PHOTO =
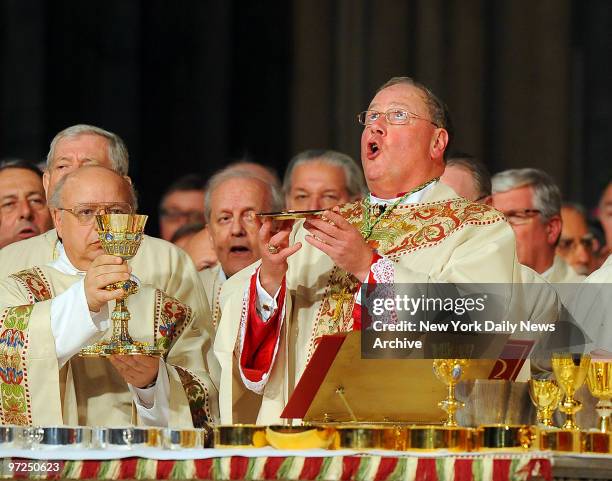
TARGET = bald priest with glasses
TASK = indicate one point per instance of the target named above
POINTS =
(409, 229)
(48, 313)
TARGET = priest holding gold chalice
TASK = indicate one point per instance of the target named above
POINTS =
(409, 229)
(143, 362)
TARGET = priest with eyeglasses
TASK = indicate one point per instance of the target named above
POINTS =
(409, 229)
(48, 313)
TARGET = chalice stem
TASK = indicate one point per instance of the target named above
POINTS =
(604, 409)
(121, 317)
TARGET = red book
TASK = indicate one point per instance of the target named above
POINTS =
(511, 359)
(316, 370)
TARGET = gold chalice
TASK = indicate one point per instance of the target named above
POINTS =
(121, 235)
(570, 377)
(449, 371)
(545, 395)
(600, 385)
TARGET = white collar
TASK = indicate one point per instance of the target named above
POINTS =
(221, 276)
(413, 198)
(63, 264)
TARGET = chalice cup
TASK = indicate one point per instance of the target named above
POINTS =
(121, 235)
(600, 386)
(570, 376)
(449, 371)
(545, 395)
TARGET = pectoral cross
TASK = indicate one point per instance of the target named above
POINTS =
(341, 298)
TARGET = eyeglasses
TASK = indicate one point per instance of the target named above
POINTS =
(570, 245)
(393, 116)
(186, 216)
(521, 216)
(85, 213)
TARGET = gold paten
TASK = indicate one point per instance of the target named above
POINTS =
(292, 214)
(240, 436)
(504, 436)
(559, 440)
(596, 442)
(439, 437)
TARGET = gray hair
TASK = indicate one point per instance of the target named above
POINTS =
(438, 110)
(117, 151)
(546, 194)
(275, 196)
(355, 183)
(55, 200)
(478, 170)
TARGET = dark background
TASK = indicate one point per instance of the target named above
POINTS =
(192, 84)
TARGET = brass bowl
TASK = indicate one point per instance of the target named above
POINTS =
(240, 436)
(505, 436)
(185, 438)
(367, 437)
(559, 440)
(596, 442)
(439, 437)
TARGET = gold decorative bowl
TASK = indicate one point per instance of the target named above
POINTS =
(439, 437)
(559, 440)
(240, 436)
(504, 436)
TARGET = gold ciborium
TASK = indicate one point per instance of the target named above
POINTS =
(600, 385)
(570, 377)
(449, 371)
(545, 395)
(120, 235)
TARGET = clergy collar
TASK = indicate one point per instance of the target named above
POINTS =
(63, 264)
(221, 276)
(413, 198)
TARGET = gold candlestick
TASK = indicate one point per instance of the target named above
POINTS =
(570, 377)
(121, 235)
(449, 371)
(600, 386)
(545, 395)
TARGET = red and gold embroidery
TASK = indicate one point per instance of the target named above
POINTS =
(197, 395)
(14, 390)
(171, 316)
(408, 228)
(35, 283)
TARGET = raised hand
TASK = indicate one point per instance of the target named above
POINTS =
(341, 241)
(275, 249)
(104, 270)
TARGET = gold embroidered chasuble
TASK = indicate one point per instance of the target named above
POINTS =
(443, 238)
(89, 391)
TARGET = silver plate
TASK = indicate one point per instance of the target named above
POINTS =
(12, 436)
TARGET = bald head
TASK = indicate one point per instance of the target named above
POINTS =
(90, 184)
(77, 198)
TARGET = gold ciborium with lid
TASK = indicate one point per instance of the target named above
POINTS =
(121, 235)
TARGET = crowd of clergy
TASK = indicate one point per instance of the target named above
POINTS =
(238, 302)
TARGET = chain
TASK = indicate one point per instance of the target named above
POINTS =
(368, 223)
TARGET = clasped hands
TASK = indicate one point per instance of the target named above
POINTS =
(137, 370)
(331, 233)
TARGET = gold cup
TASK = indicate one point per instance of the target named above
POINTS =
(545, 395)
(570, 376)
(600, 386)
(121, 235)
(449, 371)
